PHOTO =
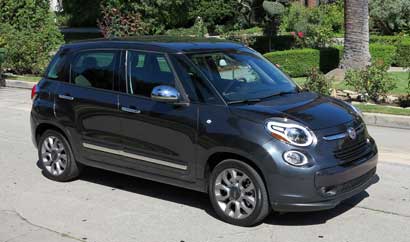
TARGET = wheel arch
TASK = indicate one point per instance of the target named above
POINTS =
(43, 127)
(218, 157)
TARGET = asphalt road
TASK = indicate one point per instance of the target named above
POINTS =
(104, 206)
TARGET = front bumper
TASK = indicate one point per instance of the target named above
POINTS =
(345, 181)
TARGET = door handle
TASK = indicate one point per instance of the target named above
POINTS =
(66, 97)
(130, 110)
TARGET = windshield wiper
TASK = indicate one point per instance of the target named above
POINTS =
(279, 94)
(247, 101)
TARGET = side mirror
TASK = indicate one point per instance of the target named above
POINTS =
(165, 94)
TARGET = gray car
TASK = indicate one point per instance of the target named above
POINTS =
(206, 115)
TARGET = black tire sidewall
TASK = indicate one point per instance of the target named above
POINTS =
(71, 170)
(261, 209)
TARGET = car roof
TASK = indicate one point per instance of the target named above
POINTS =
(166, 44)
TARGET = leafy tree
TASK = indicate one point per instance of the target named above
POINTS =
(315, 27)
(120, 22)
(390, 16)
(251, 12)
(82, 13)
(157, 15)
(29, 34)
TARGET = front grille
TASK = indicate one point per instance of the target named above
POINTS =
(353, 151)
(352, 184)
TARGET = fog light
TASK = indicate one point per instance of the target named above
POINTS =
(295, 158)
(328, 191)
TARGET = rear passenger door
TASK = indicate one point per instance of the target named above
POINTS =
(88, 105)
(158, 137)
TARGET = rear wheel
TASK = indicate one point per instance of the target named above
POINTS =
(238, 194)
(56, 157)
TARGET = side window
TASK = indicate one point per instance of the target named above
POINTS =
(94, 69)
(146, 71)
(57, 70)
(195, 84)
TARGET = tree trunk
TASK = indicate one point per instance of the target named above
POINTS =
(356, 49)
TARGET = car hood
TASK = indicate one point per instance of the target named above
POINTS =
(310, 109)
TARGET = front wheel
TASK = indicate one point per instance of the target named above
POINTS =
(238, 194)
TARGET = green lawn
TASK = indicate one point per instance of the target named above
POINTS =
(383, 109)
(401, 82)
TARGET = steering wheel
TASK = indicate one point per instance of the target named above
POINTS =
(234, 83)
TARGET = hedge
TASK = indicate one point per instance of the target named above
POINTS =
(296, 62)
(329, 59)
(384, 52)
(261, 43)
(387, 39)
(387, 53)
(403, 54)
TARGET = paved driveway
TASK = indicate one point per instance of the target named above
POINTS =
(104, 206)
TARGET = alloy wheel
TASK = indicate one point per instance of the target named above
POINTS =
(54, 156)
(235, 193)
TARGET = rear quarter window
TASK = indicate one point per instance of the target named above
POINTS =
(57, 68)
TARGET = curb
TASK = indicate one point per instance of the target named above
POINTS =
(373, 119)
(19, 84)
(387, 120)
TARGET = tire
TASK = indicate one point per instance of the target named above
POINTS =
(56, 158)
(253, 202)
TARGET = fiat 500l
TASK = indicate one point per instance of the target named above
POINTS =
(206, 115)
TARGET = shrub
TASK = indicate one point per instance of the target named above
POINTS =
(318, 25)
(317, 82)
(403, 54)
(214, 12)
(296, 62)
(373, 82)
(29, 35)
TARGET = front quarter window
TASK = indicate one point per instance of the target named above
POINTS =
(242, 75)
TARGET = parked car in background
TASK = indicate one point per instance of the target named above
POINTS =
(206, 115)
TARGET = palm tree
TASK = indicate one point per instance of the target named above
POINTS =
(356, 50)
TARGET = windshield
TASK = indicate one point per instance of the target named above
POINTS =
(243, 76)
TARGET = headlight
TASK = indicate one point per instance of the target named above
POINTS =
(295, 158)
(355, 109)
(291, 133)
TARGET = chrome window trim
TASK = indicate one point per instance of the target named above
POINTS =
(134, 156)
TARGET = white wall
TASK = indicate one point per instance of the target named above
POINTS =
(56, 5)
